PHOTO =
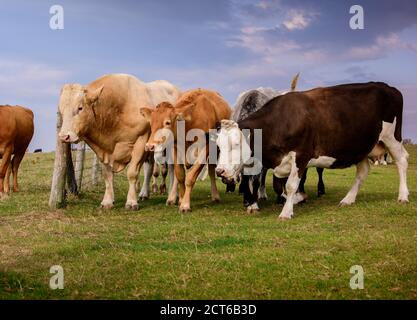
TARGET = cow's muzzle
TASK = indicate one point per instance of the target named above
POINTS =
(150, 147)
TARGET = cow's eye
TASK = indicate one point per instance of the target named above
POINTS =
(167, 123)
(80, 108)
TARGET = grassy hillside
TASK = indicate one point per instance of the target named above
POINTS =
(217, 251)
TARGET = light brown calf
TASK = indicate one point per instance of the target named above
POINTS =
(199, 109)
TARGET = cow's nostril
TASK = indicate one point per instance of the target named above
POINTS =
(65, 138)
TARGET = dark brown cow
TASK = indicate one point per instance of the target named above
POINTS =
(16, 132)
(333, 127)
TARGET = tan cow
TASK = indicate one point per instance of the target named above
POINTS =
(16, 132)
(199, 109)
(105, 114)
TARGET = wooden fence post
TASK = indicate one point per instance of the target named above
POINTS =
(79, 164)
(57, 196)
(95, 172)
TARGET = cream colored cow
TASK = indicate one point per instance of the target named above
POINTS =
(106, 115)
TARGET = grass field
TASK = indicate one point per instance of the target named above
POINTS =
(217, 251)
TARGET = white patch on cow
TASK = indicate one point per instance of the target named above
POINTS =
(235, 152)
(297, 198)
(283, 170)
(399, 154)
(291, 186)
(321, 162)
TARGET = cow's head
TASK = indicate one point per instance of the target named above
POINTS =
(163, 120)
(77, 108)
(235, 151)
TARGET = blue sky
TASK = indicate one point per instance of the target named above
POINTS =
(226, 45)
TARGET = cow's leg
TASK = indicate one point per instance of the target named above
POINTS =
(291, 188)
(190, 179)
(17, 159)
(173, 185)
(254, 183)
(400, 156)
(164, 173)
(108, 199)
(262, 187)
(138, 158)
(180, 175)
(214, 192)
(147, 174)
(7, 179)
(155, 175)
(4, 167)
(244, 188)
(362, 169)
(320, 185)
(241, 188)
(278, 188)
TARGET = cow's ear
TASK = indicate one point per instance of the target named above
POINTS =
(185, 115)
(93, 95)
(146, 113)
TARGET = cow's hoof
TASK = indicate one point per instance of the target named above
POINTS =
(265, 198)
(215, 200)
(345, 203)
(132, 206)
(162, 189)
(253, 208)
(143, 198)
(171, 202)
(3, 196)
(185, 209)
(250, 210)
(284, 218)
(403, 201)
(106, 206)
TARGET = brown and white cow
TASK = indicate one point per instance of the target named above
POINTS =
(16, 132)
(105, 114)
(333, 127)
(199, 110)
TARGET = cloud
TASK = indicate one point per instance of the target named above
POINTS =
(381, 46)
(297, 20)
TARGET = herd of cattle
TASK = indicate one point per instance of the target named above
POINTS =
(120, 118)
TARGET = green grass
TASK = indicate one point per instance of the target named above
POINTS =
(216, 252)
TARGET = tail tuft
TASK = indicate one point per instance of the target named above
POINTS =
(294, 82)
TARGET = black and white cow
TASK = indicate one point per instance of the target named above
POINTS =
(332, 127)
(247, 103)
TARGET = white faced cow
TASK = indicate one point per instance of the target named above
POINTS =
(333, 127)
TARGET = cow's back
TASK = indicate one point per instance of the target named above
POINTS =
(343, 122)
(162, 91)
(209, 107)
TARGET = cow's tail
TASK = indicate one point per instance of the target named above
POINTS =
(294, 82)
(399, 116)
